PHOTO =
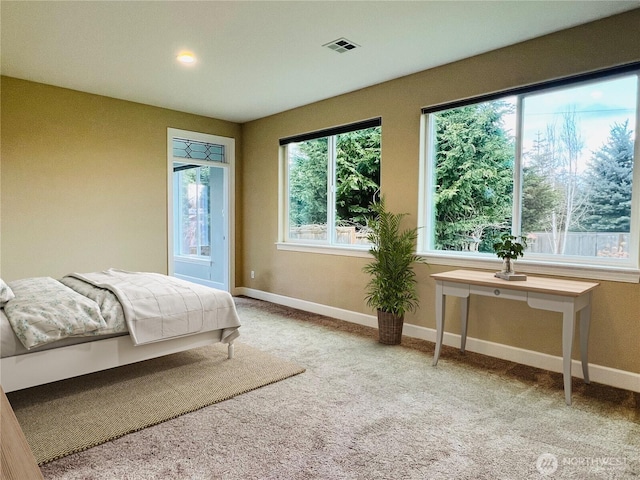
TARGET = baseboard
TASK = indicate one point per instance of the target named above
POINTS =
(339, 313)
(598, 373)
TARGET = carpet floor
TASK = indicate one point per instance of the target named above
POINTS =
(72, 415)
(363, 410)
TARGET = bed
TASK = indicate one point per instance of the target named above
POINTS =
(82, 323)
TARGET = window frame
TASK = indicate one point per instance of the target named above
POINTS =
(178, 207)
(580, 267)
(328, 246)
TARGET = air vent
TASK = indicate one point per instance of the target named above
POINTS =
(341, 45)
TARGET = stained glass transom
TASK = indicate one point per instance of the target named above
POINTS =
(184, 148)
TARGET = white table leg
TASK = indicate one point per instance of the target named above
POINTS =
(585, 319)
(464, 321)
(568, 325)
(440, 307)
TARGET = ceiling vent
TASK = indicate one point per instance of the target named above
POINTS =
(341, 45)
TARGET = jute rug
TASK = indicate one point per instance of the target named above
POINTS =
(75, 414)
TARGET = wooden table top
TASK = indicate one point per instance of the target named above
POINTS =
(554, 286)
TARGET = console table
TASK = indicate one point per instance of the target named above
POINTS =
(564, 296)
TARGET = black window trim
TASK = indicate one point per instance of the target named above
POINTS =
(328, 132)
(594, 75)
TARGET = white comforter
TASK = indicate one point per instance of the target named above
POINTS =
(44, 311)
(157, 307)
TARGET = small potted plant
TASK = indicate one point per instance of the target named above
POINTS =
(508, 248)
(392, 288)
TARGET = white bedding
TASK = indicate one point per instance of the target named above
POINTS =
(110, 307)
(11, 346)
(157, 307)
(150, 306)
(94, 351)
(44, 311)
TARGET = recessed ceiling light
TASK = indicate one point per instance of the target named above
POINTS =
(186, 57)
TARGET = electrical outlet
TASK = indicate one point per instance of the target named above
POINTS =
(253, 274)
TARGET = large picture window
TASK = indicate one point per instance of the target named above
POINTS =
(331, 178)
(553, 163)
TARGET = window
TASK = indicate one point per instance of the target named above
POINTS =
(192, 210)
(192, 199)
(553, 163)
(331, 177)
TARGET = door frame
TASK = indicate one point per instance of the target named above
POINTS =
(229, 166)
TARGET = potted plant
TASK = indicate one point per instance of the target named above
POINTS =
(508, 248)
(392, 287)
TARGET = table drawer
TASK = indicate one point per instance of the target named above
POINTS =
(498, 292)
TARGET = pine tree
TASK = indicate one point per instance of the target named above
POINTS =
(357, 178)
(358, 174)
(609, 175)
(474, 176)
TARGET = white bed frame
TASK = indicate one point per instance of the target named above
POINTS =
(37, 368)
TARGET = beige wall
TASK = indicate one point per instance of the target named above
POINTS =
(84, 180)
(338, 281)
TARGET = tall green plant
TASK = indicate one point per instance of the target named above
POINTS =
(392, 287)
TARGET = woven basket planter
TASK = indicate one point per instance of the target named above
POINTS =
(389, 328)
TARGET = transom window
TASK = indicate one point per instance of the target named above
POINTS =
(185, 148)
(553, 163)
(331, 177)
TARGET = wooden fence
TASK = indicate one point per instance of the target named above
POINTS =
(345, 235)
(587, 244)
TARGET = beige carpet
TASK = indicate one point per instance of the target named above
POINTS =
(366, 411)
(72, 415)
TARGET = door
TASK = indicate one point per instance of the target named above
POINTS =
(199, 206)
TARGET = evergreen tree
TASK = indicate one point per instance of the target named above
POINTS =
(610, 174)
(357, 178)
(308, 183)
(539, 200)
(474, 176)
(358, 175)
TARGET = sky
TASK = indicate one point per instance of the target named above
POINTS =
(598, 105)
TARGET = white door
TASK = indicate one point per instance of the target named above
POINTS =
(200, 246)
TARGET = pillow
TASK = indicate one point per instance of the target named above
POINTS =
(44, 310)
(6, 293)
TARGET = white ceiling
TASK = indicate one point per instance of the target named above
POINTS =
(256, 58)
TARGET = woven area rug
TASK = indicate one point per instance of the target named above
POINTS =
(72, 415)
